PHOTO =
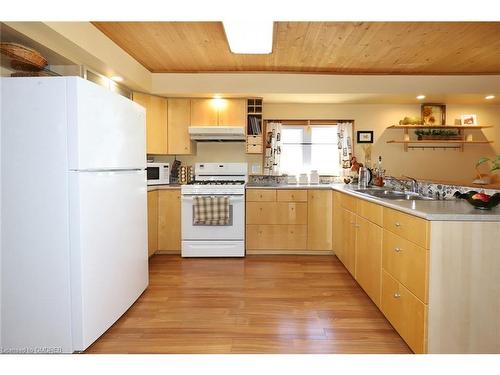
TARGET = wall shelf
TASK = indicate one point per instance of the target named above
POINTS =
(478, 127)
(438, 143)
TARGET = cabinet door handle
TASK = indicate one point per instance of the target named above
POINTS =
(397, 224)
(397, 295)
(397, 249)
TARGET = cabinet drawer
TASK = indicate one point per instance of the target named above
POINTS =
(254, 148)
(276, 237)
(406, 262)
(254, 139)
(292, 195)
(261, 195)
(370, 211)
(276, 213)
(348, 202)
(407, 226)
(406, 313)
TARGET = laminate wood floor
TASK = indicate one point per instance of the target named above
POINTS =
(257, 304)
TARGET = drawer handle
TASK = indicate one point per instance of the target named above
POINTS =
(397, 295)
(397, 224)
(397, 249)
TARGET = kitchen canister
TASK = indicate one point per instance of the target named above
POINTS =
(314, 177)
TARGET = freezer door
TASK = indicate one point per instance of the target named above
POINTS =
(105, 130)
(109, 249)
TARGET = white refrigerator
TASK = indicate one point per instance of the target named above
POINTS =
(74, 212)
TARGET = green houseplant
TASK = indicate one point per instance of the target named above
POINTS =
(494, 165)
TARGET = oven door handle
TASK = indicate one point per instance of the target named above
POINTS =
(232, 197)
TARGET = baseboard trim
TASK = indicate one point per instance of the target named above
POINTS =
(289, 252)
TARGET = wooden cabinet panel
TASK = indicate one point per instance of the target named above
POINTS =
(406, 313)
(337, 225)
(370, 211)
(156, 122)
(369, 257)
(407, 226)
(169, 220)
(348, 202)
(276, 213)
(152, 222)
(233, 112)
(292, 195)
(319, 219)
(254, 149)
(349, 240)
(179, 119)
(276, 237)
(204, 112)
(214, 112)
(407, 263)
(261, 195)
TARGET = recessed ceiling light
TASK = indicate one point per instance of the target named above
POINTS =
(420, 97)
(217, 96)
(116, 78)
(489, 97)
(249, 36)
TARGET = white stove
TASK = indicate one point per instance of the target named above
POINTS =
(215, 180)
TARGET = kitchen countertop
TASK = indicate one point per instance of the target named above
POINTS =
(441, 210)
(163, 187)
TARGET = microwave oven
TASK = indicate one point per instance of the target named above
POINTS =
(158, 173)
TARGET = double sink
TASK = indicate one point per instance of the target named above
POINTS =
(393, 194)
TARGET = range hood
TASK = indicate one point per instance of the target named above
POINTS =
(217, 133)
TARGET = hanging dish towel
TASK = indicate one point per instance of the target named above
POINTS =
(211, 210)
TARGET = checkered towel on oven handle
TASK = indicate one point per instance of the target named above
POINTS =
(210, 210)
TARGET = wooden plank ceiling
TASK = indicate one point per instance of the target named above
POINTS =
(317, 47)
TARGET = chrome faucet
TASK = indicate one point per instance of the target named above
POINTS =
(414, 184)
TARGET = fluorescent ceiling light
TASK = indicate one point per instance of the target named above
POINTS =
(249, 36)
(489, 97)
(420, 97)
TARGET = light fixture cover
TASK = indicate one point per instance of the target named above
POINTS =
(489, 97)
(249, 36)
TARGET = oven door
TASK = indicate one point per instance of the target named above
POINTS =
(235, 230)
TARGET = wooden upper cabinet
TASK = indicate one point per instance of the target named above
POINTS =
(233, 113)
(214, 112)
(203, 112)
(179, 119)
(156, 122)
(319, 222)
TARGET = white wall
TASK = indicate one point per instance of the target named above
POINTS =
(446, 165)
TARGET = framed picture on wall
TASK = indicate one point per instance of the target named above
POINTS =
(364, 136)
(469, 120)
(433, 114)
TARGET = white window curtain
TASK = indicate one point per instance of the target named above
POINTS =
(345, 146)
(273, 148)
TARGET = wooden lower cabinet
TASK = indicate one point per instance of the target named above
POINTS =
(169, 220)
(368, 257)
(276, 237)
(407, 262)
(349, 240)
(277, 213)
(152, 222)
(337, 225)
(290, 220)
(319, 220)
(406, 313)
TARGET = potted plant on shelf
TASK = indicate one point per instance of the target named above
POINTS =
(494, 165)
